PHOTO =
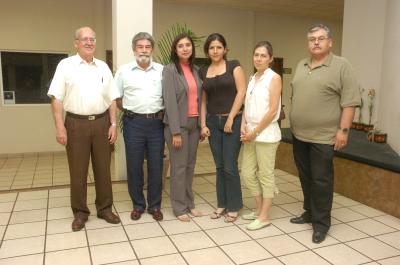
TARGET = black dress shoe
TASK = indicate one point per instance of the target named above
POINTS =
(318, 237)
(302, 219)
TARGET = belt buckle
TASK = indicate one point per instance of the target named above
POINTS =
(91, 117)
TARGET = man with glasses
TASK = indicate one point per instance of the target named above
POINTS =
(139, 84)
(83, 86)
(324, 96)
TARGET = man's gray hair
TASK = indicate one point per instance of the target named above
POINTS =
(319, 26)
(78, 32)
(142, 36)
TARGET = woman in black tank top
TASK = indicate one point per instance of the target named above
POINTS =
(224, 89)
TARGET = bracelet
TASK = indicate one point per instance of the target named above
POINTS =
(113, 124)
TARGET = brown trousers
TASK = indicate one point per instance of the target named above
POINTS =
(87, 139)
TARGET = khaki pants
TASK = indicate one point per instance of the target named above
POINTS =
(89, 139)
(258, 163)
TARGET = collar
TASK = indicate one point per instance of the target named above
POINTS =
(327, 61)
(78, 60)
(263, 75)
(136, 66)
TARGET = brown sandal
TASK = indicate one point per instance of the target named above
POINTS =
(229, 218)
(217, 215)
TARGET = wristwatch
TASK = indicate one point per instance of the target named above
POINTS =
(344, 130)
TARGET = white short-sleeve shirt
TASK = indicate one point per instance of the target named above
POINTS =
(83, 88)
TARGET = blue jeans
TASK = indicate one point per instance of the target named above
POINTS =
(225, 148)
(140, 135)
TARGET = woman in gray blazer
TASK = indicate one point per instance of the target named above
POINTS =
(182, 99)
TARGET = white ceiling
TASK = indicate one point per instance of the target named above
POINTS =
(319, 9)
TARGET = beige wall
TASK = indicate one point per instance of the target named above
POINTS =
(243, 29)
(48, 25)
(371, 38)
(41, 25)
(288, 37)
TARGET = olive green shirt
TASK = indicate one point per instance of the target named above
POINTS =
(319, 96)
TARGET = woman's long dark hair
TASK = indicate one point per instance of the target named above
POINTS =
(174, 55)
(213, 37)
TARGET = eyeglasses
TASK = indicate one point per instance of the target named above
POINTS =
(319, 39)
(87, 40)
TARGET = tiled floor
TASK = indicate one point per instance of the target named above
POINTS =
(35, 229)
(34, 170)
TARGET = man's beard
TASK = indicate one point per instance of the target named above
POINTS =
(143, 58)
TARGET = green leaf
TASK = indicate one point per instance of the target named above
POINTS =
(165, 42)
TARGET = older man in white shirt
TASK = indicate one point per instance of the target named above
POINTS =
(83, 87)
(139, 83)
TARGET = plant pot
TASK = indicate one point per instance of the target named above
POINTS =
(368, 127)
(380, 137)
(358, 126)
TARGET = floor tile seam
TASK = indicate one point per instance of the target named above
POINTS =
(12, 257)
(347, 222)
(152, 257)
(173, 243)
(373, 218)
(218, 246)
(372, 259)
(377, 260)
(87, 244)
(304, 252)
(8, 221)
(45, 229)
(130, 243)
(375, 237)
(212, 240)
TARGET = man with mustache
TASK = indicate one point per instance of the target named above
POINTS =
(324, 96)
(83, 87)
(139, 83)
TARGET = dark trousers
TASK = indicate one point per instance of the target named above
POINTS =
(87, 139)
(225, 148)
(182, 162)
(144, 135)
(315, 165)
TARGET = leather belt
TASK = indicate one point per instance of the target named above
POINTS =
(158, 115)
(87, 117)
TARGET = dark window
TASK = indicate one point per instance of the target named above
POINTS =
(29, 75)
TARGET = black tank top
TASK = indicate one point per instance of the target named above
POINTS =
(221, 89)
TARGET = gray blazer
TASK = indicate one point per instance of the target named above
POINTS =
(175, 93)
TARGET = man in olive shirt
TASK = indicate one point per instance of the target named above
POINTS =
(324, 96)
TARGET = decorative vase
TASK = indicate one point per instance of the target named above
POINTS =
(380, 137)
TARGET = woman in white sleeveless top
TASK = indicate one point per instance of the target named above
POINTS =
(261, 134)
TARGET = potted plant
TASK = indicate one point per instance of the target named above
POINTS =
(371, 97)
(358, 125)
(377, 136)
